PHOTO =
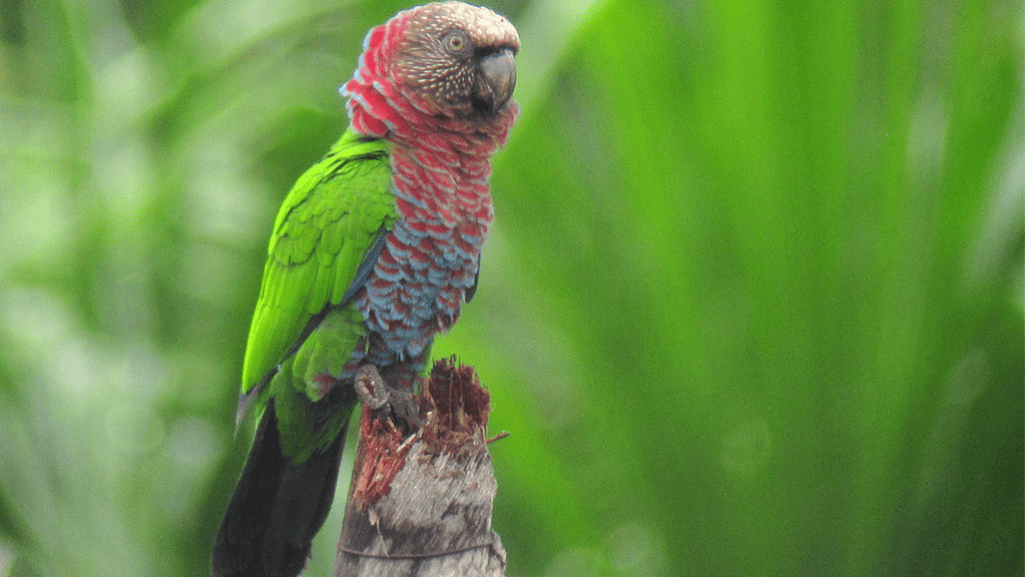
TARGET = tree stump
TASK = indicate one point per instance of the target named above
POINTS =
(420, 505)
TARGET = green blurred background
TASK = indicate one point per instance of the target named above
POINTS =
(753, 304)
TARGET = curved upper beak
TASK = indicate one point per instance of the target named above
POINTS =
(499, 78)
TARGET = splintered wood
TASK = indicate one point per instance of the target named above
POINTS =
(421, 505)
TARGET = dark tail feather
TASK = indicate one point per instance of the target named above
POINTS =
(277, 508)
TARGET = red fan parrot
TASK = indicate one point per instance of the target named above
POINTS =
(373, 253)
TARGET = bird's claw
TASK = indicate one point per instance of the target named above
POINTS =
(375, 393)
(370, 387)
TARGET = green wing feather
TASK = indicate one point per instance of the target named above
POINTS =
(323, 231)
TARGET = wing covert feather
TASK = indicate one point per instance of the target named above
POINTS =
(325, 228)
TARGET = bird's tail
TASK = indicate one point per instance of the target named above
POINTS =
(277, 508)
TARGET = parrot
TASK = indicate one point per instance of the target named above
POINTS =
(373, 252)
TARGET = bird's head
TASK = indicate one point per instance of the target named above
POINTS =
(445, 60)
(458, 57)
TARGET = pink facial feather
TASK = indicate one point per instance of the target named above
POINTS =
(441, 161)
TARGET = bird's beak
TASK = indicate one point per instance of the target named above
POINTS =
(499, 78)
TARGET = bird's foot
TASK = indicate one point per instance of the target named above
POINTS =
(370, 387)
(376, 393)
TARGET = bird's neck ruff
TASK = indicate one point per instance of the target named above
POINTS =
(442, 164)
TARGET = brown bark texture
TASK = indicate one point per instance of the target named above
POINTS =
(420, 504)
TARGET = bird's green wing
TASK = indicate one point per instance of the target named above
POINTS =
(334, 216)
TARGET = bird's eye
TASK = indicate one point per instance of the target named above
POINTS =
(456, 42)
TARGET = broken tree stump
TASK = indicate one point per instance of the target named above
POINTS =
(421, 505)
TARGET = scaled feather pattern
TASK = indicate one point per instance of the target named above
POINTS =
(441, 166)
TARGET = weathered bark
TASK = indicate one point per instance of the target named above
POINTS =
(421, 505)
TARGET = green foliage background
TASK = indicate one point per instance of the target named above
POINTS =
(752, 306)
